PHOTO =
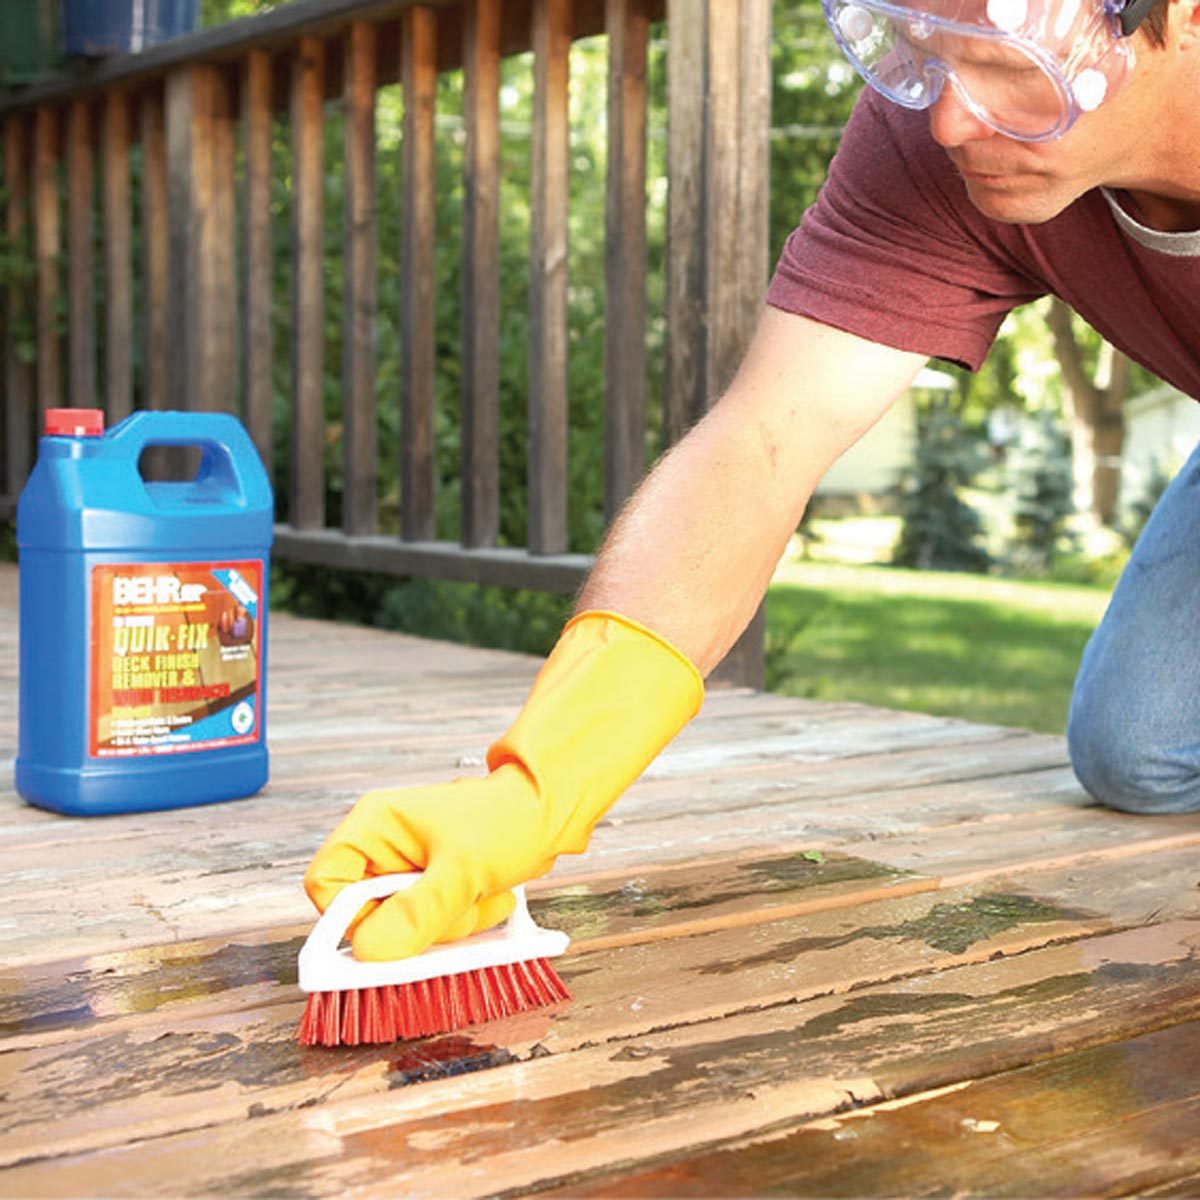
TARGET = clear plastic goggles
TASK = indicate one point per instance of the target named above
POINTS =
(1026, 68)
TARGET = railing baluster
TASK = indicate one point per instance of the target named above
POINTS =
(307, 465)
(721, 179)
(47, 248)
(201, 297)
(155, 253)
(625, 254)
(481, 276)
(220, 346)
(18, 376)
(204, 318)
(81, 297)
(548, 279)
(118, 234)
(358, 300)
(754, 163)
(418, 467)
(686, 382)
(256, 261)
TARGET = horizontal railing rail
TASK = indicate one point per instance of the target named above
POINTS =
(176, 255)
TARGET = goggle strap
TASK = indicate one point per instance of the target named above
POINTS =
(1133, 13)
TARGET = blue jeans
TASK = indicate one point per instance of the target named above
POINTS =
(1134, 728)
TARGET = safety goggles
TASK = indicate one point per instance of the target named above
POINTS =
(1026, 68)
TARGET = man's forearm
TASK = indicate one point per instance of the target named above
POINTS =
(694, 549)
(692, 553)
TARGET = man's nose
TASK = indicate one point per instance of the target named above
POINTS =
(952, 123)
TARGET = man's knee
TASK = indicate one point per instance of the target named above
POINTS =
(1126, 763)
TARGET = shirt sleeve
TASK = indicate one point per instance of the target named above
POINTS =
(894, 251)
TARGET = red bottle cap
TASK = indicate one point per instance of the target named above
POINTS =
(74, 422)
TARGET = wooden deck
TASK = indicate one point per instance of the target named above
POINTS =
(820, 950)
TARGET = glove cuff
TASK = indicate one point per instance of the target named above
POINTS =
(611, 695)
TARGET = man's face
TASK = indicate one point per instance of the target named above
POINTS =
(1030, 182)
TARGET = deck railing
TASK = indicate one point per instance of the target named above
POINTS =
(186, 287)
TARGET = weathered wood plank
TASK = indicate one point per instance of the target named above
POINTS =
(118, 257)
(625, 254)
(480, 461)
(393, 1111)
(1112, 1120)
(418, 467)
(549, 190)
(155, 254)
(358, 290)
(659, 912)
(19, 399)
(257, 339)
(306, 465)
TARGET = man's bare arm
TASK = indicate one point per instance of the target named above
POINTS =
(692, 553)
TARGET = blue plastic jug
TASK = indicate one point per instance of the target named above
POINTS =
(97, 27)
(143, 610)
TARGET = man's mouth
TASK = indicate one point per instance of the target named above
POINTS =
(989, 172)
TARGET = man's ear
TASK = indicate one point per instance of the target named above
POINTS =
(1184, 17)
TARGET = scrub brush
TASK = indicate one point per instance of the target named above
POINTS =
(485, 976)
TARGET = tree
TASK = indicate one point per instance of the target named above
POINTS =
(1040, 469)
(940, 529)
(1094, 402)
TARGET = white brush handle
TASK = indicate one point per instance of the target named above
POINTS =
(324, 967)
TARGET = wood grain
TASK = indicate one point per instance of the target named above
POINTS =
(815, 946)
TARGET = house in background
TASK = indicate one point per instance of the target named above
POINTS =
(871, 470)
(1162, 427)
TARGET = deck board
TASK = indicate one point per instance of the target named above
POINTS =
(802, 914)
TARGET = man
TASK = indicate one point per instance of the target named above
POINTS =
(1006, 149)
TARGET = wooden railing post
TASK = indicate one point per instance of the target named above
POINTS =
(81, 298)
(118, 257)
(306, 463)
(257, 342)
(719, 124)
(201, 297)
(359, 416)
(155, 254)
(548, 279)
(625, 254)
(480, 463)
(47, 238)
(418, 480)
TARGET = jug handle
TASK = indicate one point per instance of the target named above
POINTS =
(221, 438)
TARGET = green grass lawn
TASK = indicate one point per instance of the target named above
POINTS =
(992, 650)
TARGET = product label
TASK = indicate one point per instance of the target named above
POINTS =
(176, 657)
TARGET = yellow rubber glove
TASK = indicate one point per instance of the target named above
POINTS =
(611, 695)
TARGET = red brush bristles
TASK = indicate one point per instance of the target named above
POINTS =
(409, 1010)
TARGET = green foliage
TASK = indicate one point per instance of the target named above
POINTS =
(940, 528)
(457, 612)
(1040, 471)
(18, 267)
(814, 89)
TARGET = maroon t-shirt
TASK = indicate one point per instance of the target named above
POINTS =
(894, 251)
